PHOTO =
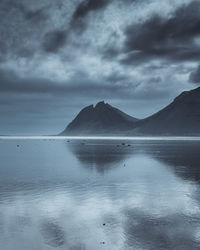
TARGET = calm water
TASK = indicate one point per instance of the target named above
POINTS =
(97, 194)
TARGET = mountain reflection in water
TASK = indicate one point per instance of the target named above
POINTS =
(97, 194)
(101, 156)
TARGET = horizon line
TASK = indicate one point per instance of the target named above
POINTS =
(166, 138)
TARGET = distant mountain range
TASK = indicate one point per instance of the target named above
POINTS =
(180, 118)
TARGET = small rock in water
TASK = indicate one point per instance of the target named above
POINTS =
(103, 242)
(104, 224)
(17, 145)
(123, 143)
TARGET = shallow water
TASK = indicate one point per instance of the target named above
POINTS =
(99, 194)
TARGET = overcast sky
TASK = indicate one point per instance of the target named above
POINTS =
(58, 56)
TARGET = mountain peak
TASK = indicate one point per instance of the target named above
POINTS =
(101, 103)
(102, 106)
(100, 119)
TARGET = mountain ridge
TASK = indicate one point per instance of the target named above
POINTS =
(180, 118)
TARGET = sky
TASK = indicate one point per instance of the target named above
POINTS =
(57, 57)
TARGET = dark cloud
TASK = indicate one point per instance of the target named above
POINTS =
(10, 82)
(117, 77)
(195, 76)
(54, 40)
(35, 15)
(116, 86)
(87, 6)
(171, 38)
(79, 18)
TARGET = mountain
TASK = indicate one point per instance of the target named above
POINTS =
(100, 119)
(181, 117)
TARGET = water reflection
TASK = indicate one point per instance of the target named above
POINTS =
(171, 232)
(183, 157)
(55, 196)
(100, 155)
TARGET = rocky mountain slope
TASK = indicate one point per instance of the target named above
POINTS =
(100, 119)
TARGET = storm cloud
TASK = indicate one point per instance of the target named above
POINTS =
(54, 40)
(58, 56)
(87, 6)
(171, 38)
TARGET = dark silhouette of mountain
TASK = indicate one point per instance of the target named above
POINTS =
(101, 119)
(181, 117)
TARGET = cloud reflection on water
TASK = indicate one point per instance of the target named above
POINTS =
(147, 204)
